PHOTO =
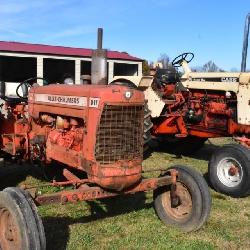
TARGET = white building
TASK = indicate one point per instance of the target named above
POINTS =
(20, 61)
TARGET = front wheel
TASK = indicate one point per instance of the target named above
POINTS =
(194, 201)
(229, 170)
(20, 226)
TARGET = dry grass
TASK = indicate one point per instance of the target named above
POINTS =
(130, 222)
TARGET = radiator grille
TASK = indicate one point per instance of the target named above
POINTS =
(119, 135)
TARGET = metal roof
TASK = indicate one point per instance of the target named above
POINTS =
(59, 50)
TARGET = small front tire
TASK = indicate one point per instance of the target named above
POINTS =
(194, 201)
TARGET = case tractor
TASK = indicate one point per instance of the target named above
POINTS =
(95, 131)
(187, 110)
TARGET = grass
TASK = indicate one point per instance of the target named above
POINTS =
(129, 222)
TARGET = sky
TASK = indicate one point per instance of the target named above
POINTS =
(212, 30)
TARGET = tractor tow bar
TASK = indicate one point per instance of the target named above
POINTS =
(86, 192)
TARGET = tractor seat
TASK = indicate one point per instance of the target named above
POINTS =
(167, 76)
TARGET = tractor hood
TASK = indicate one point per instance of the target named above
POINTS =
(82, 96)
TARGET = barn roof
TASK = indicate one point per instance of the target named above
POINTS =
(8, 46)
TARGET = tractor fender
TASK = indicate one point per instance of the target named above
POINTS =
(138, 81)
(155, 103)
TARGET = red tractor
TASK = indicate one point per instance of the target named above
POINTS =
(98, 130)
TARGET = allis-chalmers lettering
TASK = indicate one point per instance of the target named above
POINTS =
(59, 99)
(64, 99)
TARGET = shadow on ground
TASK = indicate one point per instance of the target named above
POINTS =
(203, 153)
(57, 229)
(12, 173)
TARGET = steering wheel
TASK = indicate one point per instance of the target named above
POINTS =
(25, 86)
(188, 57)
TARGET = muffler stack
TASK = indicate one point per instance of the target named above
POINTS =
(99, 62)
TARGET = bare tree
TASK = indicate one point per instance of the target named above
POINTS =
(211, 67)
(164, 59)
(151, 64)
(197, 69)
(234, 69)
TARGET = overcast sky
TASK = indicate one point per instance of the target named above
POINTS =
(212, 30)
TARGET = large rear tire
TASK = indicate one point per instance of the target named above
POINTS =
(20, 225)
(147, 125)
(186, 145)
(229, 170)
(194, 201)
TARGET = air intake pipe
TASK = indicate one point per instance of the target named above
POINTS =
(99, 62)
(245, 44)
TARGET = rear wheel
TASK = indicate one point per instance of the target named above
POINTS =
(194, 204)
(147, 125)
(229, 170)
(186, 145)
(19, 227)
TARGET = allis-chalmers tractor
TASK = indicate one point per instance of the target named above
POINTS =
(97, 130)
(188, 110)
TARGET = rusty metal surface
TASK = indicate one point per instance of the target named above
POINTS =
(91, 193)
(244, 141)
(119, 136)
(99, 66)
(10, 237)
(181, 210)
(73, 124)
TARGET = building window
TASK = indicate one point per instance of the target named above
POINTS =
(124, 69)
(17, 69)
(58, 70)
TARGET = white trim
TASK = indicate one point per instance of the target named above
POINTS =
(123, 61)
(39, 69)
(77, 71)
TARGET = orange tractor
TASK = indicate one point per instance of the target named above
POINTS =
(188, 110)
(93, 129)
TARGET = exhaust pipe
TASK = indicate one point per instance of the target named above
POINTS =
(99, 62)
(99, 38)
(245, 44)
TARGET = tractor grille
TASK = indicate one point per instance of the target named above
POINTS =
(120, 134)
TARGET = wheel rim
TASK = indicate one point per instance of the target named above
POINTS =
(230, 172)
(10, 237)
(183, 211)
